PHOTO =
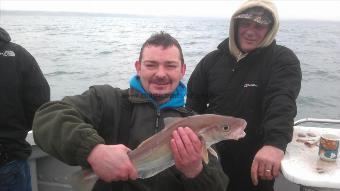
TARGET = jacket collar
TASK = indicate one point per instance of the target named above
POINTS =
(138, 94)
(223, 47)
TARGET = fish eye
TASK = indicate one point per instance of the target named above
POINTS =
(226, 127)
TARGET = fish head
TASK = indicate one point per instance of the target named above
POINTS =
(219, 127)
(232, 127)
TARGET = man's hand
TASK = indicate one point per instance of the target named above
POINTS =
(187, 148)
(266, 164)
(111, 163)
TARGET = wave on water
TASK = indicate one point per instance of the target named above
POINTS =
(105, 52)
(60, 73)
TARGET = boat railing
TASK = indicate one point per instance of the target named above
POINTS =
(316, 120)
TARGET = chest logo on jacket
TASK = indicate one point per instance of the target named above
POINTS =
(7, 53)
(250, 85)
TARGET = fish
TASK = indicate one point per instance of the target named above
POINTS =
(154, 154)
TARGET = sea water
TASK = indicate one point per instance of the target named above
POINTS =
(76, 51)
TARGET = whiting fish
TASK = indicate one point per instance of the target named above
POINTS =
(154, 154)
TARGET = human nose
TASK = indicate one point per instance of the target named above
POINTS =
(250, 32)
(161, 71)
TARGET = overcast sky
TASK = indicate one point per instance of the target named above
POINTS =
(288, 9)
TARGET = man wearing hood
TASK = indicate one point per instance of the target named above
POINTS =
(23, 90)
(98, 128)
(251, 77)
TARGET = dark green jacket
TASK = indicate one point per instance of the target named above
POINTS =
(71, 128)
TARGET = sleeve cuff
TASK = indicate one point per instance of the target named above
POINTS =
(277, 142)
(90, 141)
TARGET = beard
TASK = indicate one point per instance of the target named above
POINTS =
(161, 81)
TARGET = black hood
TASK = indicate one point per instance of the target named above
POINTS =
(4, 36)
(223, 46)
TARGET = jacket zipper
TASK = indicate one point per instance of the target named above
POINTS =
(158, 116)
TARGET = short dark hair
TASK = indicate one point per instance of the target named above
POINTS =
(161, 39)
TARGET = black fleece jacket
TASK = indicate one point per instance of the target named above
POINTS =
(261, 88)
(23, 89)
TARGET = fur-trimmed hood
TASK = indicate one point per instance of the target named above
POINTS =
(266, 4)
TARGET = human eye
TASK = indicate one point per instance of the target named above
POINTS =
(150, 65)
(260, 27)
(244, 23)
(172, 66)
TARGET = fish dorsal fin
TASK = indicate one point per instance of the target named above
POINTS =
(145, 141)
(170, 120)
(167, 122)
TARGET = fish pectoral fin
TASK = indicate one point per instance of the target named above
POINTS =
(204, 153)
(213, 152)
